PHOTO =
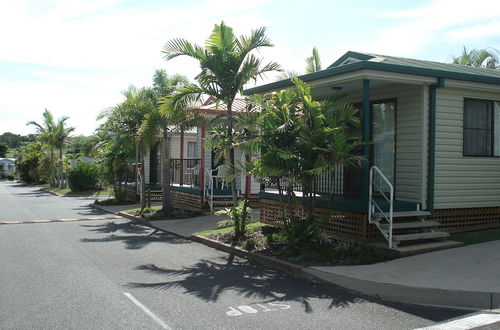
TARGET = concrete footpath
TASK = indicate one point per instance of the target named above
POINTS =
(463, 277)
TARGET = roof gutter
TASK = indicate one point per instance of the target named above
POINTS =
(379, 66)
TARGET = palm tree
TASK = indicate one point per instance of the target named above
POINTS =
(227, 64)
(61, 134)
(301, 139)
(486, 58)
(46, 131)
(124, 120)
(313, 63)
(160, 120)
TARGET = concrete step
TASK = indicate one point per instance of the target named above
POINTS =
(420, 236)
(408, 250)
(408, 225)
(404, 214)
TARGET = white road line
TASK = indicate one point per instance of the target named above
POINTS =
(147, 311)
(466, 323)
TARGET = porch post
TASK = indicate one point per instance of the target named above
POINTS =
(181, 167)
(366, 137)
(202, 161)
(248, 184)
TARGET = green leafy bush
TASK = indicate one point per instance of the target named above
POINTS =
(239, 216)
(83, 177)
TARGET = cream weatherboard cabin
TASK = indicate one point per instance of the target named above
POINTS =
(434, 130)
(197, 177)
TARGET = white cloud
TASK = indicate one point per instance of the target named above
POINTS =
(429, 23)
(106, 51)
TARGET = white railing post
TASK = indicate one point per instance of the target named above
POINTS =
(209, 191)
(373, 205)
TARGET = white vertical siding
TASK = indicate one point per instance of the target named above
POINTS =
(461, 181)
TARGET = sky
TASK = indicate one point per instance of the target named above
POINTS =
(75, 57)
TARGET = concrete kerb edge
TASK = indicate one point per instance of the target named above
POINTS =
(386, 291)
(392, 292)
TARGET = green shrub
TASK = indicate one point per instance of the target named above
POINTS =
(83, 177)
(10, 177)
(253, 243)
(239, 216)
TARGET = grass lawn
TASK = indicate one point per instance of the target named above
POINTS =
(269, 240)
(67, 192)
(477, 236)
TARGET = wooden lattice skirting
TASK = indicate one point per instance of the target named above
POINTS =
(351, 226)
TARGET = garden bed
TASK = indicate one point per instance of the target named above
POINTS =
(155, 213)
(271, 241)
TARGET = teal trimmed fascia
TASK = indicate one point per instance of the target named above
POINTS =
(351, 54)
(366, 65)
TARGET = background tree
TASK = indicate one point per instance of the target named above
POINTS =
(46, 134)
(3, 150)
(486, 58)
(120, 133)
(28, 162)
(61, 134)
(227, 63)
(160, 121)
(313, 63)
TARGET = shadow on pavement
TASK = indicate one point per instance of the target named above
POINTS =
(208, 279)
(35, 193)
(133, 235)
(88, 211)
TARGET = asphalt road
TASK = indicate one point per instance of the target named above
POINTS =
(110, 274)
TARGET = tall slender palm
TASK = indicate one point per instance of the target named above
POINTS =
(61, 134)
(486, 57)
(313, 63)
(227, 64)
(160, 120)
(124, 120)
(46, 131)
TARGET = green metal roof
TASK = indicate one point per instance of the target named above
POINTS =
(355, 61)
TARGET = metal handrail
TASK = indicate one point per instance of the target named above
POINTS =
(209, 190)
(372, 204)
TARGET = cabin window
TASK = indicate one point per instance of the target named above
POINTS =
(191, 152)
(481, 128)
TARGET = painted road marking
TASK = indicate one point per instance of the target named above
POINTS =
(250, 310)
(58, 220)
(466, 323)
(147, 311)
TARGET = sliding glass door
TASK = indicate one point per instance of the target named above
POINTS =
(384, 140)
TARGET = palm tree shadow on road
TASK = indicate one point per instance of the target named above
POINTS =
(135, 236)
(208, 279)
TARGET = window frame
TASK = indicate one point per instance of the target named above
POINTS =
(492, 129)
(194, 150)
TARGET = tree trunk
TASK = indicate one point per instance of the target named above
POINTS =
(143, 184)
(166, 201)
(61, 180)
(52, 169)
(136, 163)
(234, 192)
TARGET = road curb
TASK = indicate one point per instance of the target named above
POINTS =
(475, 300)
(50, 192)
